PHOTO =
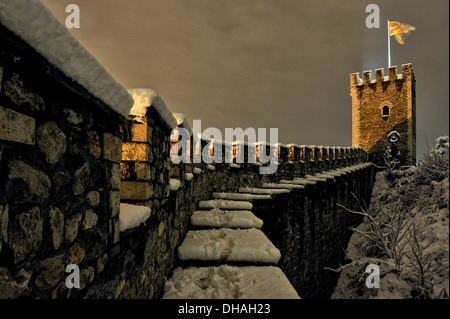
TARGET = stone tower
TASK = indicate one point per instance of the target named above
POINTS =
(380, 107)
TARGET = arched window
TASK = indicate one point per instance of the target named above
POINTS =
(385, 112)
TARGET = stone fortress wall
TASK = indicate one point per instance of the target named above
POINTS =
(68, 159)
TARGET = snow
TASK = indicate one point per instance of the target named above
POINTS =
(226, 218)
(182, 122)
(239, 196)
(211, 167)
(35, 24)
(287, 186)
(145, 98)
(225, 204)
(131, 216)
(197, 170)
(250, 245)
(229, 282)
(174, 184)
(234, 165)
(421, 197)
(266, 191)
(300, 181)
(189, 176)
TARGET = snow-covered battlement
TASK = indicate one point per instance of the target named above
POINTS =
(145, 98)
(36, 25)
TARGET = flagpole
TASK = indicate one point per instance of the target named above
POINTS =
(389, 44)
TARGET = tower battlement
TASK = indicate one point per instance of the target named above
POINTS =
(407, 72)
(381, 106)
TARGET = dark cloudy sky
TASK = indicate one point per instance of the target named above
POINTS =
(268, 63)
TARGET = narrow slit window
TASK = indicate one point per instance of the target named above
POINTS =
(385, 111)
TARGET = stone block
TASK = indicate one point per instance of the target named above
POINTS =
(112, 148)
(142, 171)
(136, 152)
(141, 132)
(56, 226)
(26, 236)
(93, 144)
(16, 127)
(38, 183)
(51, 141)
(114, 203)
(114, 176)
(135, 190)
(15, 90)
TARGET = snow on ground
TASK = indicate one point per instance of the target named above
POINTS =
(266, 191)
(420, 195)
(131, 216)
(234, 165)
(174, 184)
(189, 176)
(197, 170)
(211, 167)
(239, 196)
(226, 218)
(228, 244)
(145, 98)
(35, 24)
(225, 204)
(229, 282)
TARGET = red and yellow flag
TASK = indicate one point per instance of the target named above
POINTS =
(400, 30)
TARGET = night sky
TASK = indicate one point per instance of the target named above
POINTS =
(267, 63)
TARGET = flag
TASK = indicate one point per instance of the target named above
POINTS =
(400, 30)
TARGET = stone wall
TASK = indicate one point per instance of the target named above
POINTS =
(60, 153)
(67, 160)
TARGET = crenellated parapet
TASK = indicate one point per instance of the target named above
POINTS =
(382, 105)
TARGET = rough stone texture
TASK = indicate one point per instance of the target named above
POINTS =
(60, 150)
(13, 286)
(14, 89)
(51, 141)
(93, 198)
(38, 184)
(16, 127)
(75, 255)
(370, 128)
(112, 148)
(114, 203)
(51, 271)
(4, 220)
(136, 190)
(136, 152)
(81, 179)
(26, 237)
(93, 144)
(90, 219)
(56, 226)
(71, 228)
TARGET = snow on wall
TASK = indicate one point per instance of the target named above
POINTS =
(36, 25)
(131, 216)
(144, 98)
(226, 218)
(182, 122)
(228, 244)
(229, 282)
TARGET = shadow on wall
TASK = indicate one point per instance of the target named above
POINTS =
(379, 148)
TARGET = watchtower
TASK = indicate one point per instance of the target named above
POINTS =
(382, 106)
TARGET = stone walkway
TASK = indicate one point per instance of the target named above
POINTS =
(226, 255)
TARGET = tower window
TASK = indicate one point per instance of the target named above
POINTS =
(385, 111)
